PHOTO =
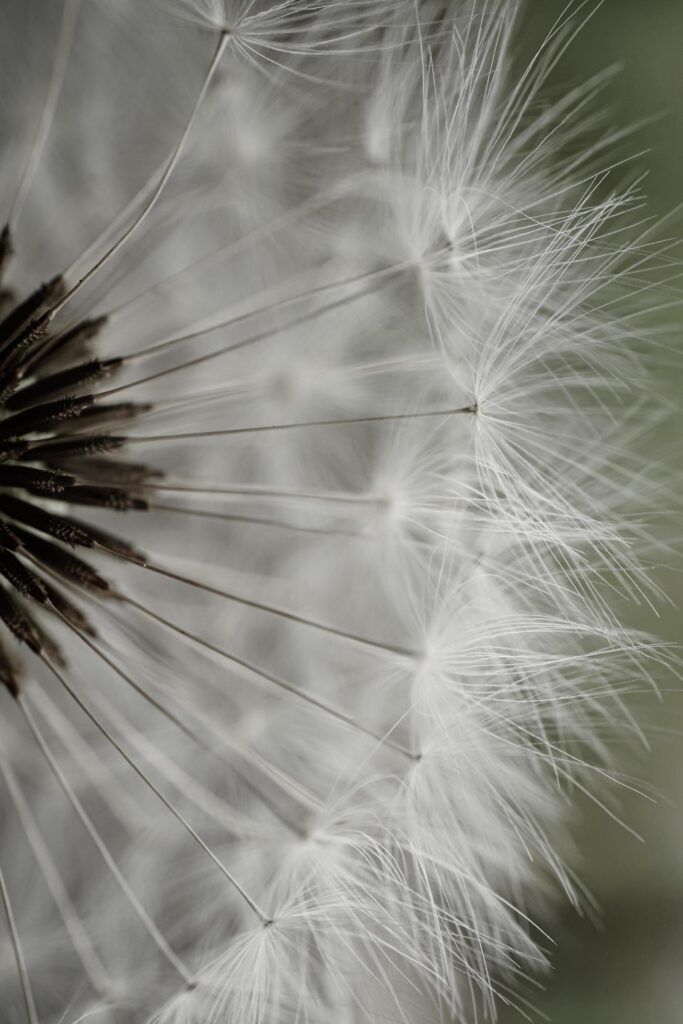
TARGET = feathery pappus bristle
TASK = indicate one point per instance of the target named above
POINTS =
(321, 388)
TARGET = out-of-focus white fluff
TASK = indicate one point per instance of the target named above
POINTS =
(396, 409)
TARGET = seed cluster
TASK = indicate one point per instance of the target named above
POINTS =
(54, 453)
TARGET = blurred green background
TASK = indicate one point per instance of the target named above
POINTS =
(627, 967)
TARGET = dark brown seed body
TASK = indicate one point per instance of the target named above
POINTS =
(53, 448)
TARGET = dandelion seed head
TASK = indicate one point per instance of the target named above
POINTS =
(319, 412)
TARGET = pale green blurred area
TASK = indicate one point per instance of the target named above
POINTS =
(629, 968)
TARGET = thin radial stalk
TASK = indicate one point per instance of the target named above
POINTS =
(101, 779)
(230, 431)
(140, 690)
(59, 69)
(177, 722)
(243, 385)
(214, 745)
(270, 678)
(211, 805)
(113, 227)
(172, 718)
(186, 730)
(234, 346)
(221, 740)
(315, 202)
(290, 786)
(229, 517)
(403, 652)
(140, 912)
(29, 1003)
(255, 492)
(280, 304)
(263, 917)
(157, 191)
(92, 965)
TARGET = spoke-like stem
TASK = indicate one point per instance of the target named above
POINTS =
(176, 721)
(263, 917)
(101, 847)
(212, 805)
(229, 517)
(267, 428)
(159, 188)
(240, 386)
(255, 492)
(111, 790)
(128, 679)
(96, 650)
(113, 227)
(200, 741)
(59, 69)
(269, 677)
(403, 652)
(272, 307)
(234, 346)
(29, 1003)
(92, 965)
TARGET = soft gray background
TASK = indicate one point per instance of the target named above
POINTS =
(629, 967)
